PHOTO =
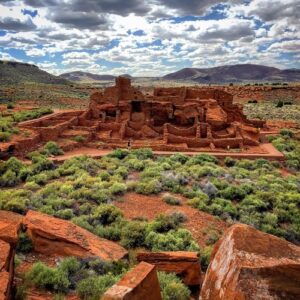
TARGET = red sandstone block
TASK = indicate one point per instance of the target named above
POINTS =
(184, 264)
(141, 283)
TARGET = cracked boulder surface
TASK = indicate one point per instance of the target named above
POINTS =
(249, 264)
(58, 237)
(139, 283)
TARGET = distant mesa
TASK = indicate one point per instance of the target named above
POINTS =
(235, 73)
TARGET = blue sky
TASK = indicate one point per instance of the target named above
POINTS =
(149, 37)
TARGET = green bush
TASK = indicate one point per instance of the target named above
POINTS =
(133, 235)
(164, 223)
(119, 153)
(229, 162)
(30, 114)
(24, 243)
(152, 186)
(112, 232)
(205, 254)
(79, 138)
(93, 288)
(171, 200)
(51, 148)
(143, 153)
(173, 240)
(118, 188)
(172, 288)
(287, 132)
(48, 278)
(106, 214)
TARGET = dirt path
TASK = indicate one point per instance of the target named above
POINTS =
(270, 153)
(149, 207)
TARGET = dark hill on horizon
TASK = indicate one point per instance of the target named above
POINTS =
(12, 72)
(234, 73)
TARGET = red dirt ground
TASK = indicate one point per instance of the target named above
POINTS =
(269, 149)
(149, 207)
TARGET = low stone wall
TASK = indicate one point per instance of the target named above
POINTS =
(191, 131)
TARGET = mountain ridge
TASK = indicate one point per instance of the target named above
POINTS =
(234, 73)
(12, 72)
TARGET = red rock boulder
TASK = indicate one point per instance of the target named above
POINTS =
(6, 269)
(141, 283)
(10, 224)
(185, 264)
(249, 264)
(57, 237)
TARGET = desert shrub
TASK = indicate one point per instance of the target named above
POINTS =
(169, 199)
(30, 114)
(5, 136)
(147, 187)
(112, 232)
(40, 179)
(205, 254)
(179, 157)
(133, 235)
(135, 164)
(121, 171)
(31, 185)
(48, 278)
(41, 163)
(83, 221)
(164, 223)
(172, 288)
(72, 273)
(212, 236)
(51, 148)
(173, 181)
(198, 172)
(79, 138)
(15, 200)
(233, 192)
(94, 287)
(173, 240)
(209, 189)
(280, 104)
(7, 128)
(287, 132)
(10, 106)
(9, 178)
(143, 153)
(106, 214)
(118, 188)
(119, 153)
(24, 243)
(66, 214)
(201, 159)
(12, 172)
(229, 162)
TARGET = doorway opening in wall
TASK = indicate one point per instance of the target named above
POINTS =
(136, 106)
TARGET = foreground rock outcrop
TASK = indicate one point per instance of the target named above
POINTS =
(10, 224)
(141, 283)
(6, 269)
(54, 236)
(249, 264)
(185, 264)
